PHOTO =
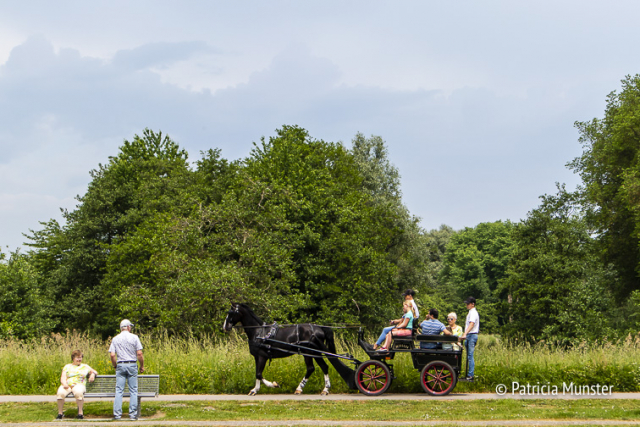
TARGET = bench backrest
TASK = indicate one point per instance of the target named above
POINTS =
(437, 338)
(105, 385)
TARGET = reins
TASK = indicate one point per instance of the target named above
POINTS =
(296, 324)
(320, 353)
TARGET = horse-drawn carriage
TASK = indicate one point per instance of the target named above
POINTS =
(439, 369)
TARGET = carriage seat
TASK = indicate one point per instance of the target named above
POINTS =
(435, 339)
(404, 343)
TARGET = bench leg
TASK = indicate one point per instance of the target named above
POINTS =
(139, 407)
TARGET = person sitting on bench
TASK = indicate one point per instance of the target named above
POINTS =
(432, 326)
(72, 380)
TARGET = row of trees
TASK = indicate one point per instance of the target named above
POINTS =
(309, 230)
(302, 229)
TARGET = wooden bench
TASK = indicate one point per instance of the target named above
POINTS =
(105, 386)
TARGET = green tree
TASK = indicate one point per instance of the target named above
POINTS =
(474, 264)
(380, 178)
(340, 234)
(182, 273)
(150, 174)
(408, 251)
(436, 242)
(610, 171)
(25, 312)
(300, 229)
(554, 282)
(476, 260)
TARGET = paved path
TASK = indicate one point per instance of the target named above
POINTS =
(350, 396)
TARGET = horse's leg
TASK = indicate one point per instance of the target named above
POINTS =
(270, 384)
(260, 364)
(310, 368)
(259, 376)
(325, 370)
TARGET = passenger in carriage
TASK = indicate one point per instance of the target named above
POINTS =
(432, 326)
(402, 328)
(455, 330)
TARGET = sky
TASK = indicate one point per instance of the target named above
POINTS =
(476, 100)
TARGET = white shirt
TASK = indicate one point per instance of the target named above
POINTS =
(415, 309)
(125, 346)
(474, 317)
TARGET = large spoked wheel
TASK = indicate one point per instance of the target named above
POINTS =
(438, 378)
(373, 378)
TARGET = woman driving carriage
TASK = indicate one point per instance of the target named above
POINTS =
(402, 328)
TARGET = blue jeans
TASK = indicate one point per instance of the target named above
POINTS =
(126, 373)
(385, 331)
(470, 345)
(428, 345)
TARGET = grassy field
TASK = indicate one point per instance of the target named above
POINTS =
(189, 366)
(370, 410)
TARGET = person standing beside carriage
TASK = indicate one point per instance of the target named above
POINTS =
(471, 330)
(408, 296)
(126, 352)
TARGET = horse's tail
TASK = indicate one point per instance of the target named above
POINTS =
(347, 374)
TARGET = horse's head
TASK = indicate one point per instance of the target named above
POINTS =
(233, 316)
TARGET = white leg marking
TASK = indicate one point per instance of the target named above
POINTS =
(327, 386)
(256, 389)
(270, 384)
(301, 386)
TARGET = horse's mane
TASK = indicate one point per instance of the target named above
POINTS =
(251, 313)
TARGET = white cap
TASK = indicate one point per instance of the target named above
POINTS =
(125, 323)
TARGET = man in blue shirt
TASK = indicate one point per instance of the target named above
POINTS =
(432, 326)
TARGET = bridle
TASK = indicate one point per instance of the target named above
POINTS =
(230, 314)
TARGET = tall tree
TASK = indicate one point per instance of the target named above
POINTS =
(555, 285)
(436, 242)
(408, 250)
(610, 171)
(150, 174)
(340, 259)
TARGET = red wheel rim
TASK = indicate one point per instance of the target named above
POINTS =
(373, 378)
(438, 379)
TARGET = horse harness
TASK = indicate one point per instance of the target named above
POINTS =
(265, 340)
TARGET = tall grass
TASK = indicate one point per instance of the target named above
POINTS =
(224, 365)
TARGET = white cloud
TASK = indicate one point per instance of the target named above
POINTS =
(476, 101)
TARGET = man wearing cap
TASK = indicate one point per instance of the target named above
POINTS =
(408, 296)
(471, 329)
(126, 352)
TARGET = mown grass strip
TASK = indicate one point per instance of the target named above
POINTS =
(374, 410)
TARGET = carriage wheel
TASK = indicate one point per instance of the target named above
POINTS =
(373, 378)
(438, 378)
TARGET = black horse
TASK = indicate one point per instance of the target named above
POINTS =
(305, 338)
